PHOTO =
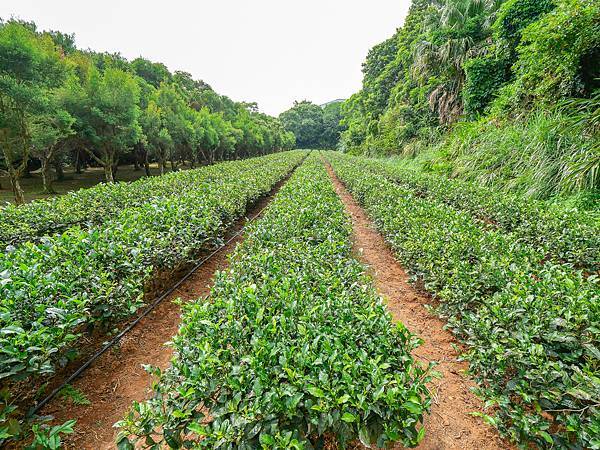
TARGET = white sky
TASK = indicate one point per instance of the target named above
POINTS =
(269, 51)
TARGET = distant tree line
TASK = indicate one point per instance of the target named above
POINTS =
(60, 104)
(314, 126)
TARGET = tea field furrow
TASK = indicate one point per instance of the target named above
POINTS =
(532, 326)
(293, 348)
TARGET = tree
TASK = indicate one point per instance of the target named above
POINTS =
(31, 66)
(48, 134)
(205, 138)
(314, 126)
(56, 99)
(305, 120)
(106, 109)
(156, 136)
(332, 127)
(174, 114)
(227, 137)
(153, 73)
(455, 33)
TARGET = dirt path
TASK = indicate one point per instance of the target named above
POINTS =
(117, 378)
(449, 425)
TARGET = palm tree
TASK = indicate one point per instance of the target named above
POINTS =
(447, 58)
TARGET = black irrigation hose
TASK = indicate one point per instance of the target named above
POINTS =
(129, 327)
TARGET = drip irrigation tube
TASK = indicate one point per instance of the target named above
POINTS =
(147, 311)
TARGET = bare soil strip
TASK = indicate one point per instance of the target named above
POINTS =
(450, 424)
(117, 378)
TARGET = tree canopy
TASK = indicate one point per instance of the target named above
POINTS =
(457, 69)
(470, 56)
(314, 126)
(59, 101)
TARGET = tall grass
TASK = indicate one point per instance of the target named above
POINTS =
(545, 154)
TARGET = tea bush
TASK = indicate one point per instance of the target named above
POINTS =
(293, 344)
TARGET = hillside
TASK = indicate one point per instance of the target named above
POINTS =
(505, 94)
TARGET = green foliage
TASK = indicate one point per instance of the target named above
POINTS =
(353, 120)
(40, 435)
(292, 345)
(332, 128)
(499, 69)
(57, 101)
(531, 322)
(31, 67)
(107, 110)
(564, 234)
(484, 76)
(94, 206)
(559, 54)
(313, 126)
(153, 73)
(48, 438)
(97, 276)
(305, 120)
(584, 166)
(547, 155)
(74, 395)
(513, 17)
(535, 157)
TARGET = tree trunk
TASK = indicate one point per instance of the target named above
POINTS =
(173, 166)
(136, 164)
(108, 173)
(46, 179)
(146, 165)
(78, 162)
(114, 168)
(15, 173)
(16, 188)
(60, 173)
(203, 157)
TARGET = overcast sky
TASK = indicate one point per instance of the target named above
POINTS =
(269, 51)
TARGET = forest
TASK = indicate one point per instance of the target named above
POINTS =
(502, 93)
(63, 105)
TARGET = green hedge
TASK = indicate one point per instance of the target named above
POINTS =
(563, 234)
(50, 289)
(98, 204)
